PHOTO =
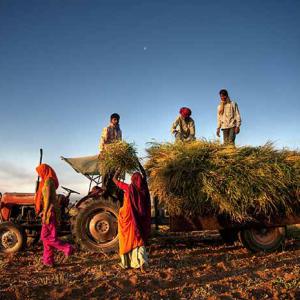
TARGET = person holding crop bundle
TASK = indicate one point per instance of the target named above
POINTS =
(184, 126)
(110, 134)
(228, 118)
(46, 204)
(134, 221)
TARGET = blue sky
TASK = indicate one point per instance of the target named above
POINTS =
(65, 66)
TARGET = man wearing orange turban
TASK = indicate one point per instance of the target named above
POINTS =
(184, 126)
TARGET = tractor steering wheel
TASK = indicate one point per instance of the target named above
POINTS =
(69, 190)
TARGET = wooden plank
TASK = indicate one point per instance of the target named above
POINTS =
(185, 224)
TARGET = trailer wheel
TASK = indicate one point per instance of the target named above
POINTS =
(95, 227)
(263, 239)
(12, 238)
(229, 236)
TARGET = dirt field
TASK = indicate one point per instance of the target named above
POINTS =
(201, 267)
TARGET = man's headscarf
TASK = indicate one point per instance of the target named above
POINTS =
(45, 172)
(140, 205)
(185, 112)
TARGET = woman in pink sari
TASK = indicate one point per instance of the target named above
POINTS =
(45, 201)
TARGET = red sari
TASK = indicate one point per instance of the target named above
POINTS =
(134, 222)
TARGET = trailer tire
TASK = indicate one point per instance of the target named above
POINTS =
(263, 239)
(95, 227)
(12, 238)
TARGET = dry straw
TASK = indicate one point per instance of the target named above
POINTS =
(206, 178)
(120, 155)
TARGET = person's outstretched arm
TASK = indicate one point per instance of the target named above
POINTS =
(116, 176)
(121, 185)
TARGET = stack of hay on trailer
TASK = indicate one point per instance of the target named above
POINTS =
(204, 178)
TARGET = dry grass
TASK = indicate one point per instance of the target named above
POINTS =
(205, 177)
(116, 155)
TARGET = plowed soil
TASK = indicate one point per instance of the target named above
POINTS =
(197, 267)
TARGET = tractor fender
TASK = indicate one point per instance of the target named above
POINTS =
(95, 192)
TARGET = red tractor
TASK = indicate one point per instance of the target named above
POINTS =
(92, 220)
(16, 209)
(19, 223)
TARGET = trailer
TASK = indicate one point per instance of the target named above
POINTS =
(93, 219)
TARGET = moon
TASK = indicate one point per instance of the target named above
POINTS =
(145, 48)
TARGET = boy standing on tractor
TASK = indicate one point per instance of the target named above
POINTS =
(111, 133)
(229, 118)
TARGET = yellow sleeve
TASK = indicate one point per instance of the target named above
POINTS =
(237, 116)
(192, 129)
(174, 125)
(219, 122)
(103, 139)
(46, 196)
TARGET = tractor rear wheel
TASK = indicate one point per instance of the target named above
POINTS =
(263, 239)
(95, 227)
(12, 238)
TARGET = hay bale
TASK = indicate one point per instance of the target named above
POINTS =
(119, 154)
(206, 178)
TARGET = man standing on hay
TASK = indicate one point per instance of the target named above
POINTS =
(229, 119)
(111, 133)
(184, 126)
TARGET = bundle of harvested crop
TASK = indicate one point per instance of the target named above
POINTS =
(206, 178)
(119, 154)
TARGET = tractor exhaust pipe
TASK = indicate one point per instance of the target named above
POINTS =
(38, 179)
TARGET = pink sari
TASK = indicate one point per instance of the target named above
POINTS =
(51, 242)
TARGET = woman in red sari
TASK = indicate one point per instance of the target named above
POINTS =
(134, 221)
(46, 203)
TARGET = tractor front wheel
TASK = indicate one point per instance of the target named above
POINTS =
(12, 238)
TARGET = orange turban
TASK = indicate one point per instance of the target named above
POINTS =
(45, 172)
(185, 112)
